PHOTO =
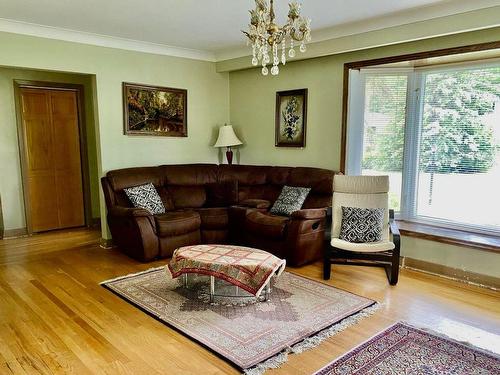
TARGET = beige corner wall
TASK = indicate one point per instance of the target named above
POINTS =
(252, 108)
(11, 187)
(208, 101)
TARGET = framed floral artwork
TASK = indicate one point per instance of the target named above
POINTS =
(291, 118)
(154, 110)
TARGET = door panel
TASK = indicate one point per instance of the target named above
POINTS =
(52, 150)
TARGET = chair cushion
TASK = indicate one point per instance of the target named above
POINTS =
(361, 225)
(371, 247)
(145, 196)
(267, 225)
(291, 199)
(214, 218)
(177, 223)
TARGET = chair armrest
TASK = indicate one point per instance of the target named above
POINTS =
(392, 224)
(255, 203)
(129, 212)
(309, 214)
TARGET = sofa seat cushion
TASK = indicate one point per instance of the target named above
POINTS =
(177, 223)
(266, 224)
(214, 218)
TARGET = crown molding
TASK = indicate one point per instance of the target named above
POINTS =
(42, 31)
(401, 18)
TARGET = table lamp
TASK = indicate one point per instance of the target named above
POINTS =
(227, 138)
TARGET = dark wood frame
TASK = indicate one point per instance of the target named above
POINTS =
(279, 95)
(460, 237)
(128, 85)
(84, 160)
(389, 260)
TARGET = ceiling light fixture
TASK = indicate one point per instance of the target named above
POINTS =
(266, 36)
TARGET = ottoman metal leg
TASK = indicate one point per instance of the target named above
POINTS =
(212, 289)
(267, 290)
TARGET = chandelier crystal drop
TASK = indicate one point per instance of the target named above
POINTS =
(266, 37)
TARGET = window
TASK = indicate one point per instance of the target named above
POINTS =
(436, 133)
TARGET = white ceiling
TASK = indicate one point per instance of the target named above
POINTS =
(214, 25)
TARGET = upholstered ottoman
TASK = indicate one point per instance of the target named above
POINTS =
(244, 267)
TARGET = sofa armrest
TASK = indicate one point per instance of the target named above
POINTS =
(129, 212)
(255, 203)
(309, 214)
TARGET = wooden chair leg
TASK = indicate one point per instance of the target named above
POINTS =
(394, 274)
(327, 269)
(327, 265)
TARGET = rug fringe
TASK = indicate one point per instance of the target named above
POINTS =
(311, 342)
(132, 274)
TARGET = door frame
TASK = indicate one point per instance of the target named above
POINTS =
(82, 132)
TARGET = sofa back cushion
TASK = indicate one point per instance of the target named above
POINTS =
(319, 180)
(186, 183)
(120, 179)
(189, 174)
(222, 194)
(184, 196)
(251, 179)
(276, 178)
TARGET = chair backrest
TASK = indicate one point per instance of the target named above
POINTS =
(362, 192)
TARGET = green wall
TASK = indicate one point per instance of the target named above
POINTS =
(252, 111)
(253, 99)
(11, 188)
(208, 101)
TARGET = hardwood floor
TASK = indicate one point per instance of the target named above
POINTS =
(55, 318)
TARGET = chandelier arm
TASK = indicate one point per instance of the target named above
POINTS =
(265, 35)
(297, 35)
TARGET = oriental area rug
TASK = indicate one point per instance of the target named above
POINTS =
(403, 349)
(253, 336)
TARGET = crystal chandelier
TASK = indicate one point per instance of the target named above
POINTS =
(266, 37)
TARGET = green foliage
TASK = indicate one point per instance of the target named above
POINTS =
(384, 148)
(148, 107)
(454, 138)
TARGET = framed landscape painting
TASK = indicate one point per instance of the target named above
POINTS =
(152, 110)
(291, 118)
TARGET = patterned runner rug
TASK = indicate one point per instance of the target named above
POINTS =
(403, 349)
(253, 336)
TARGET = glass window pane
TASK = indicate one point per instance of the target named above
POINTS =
(384, 124)
(459, 165)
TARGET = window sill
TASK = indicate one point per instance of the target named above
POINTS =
(450, 236)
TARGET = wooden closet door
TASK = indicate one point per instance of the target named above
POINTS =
(53, 164)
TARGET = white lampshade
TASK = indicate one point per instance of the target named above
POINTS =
(227, 138)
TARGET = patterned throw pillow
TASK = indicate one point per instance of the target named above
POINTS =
(145, 196)
(361, 225)
(291, 199)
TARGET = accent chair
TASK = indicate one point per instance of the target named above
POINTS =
(363, 192)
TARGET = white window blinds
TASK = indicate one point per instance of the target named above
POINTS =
(458, 167)
(436, 133)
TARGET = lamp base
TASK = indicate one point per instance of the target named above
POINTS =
(229, 156)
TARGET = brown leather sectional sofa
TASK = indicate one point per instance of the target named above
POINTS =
(208, 203)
